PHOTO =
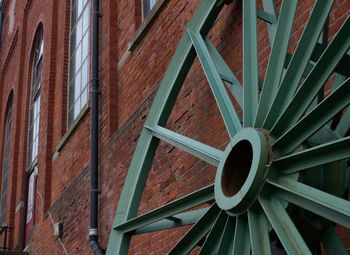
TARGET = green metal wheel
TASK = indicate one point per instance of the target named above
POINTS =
(282, 178)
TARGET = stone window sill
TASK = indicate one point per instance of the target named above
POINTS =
(146, 24)
(73, 127)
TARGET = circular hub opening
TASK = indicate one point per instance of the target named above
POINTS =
(236, 168)
(242, 171)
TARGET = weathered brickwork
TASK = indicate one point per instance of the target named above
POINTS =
(128, 82)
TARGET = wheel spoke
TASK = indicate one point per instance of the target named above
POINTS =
(181, 219)
(332, 243)
(300, 60)
(270, 8)
(277, 58)
(315, 156)
(285, 229)
(211, 244)
(187, 202)
(227, 110)
(259, 232)
(200, 150)
(314, 200)
(250, 63)
(226, 243)
(313, 83)
(313, 121)
(241, 244)
(225, 72)
(339, 79)
(344, 124)
(197, 232)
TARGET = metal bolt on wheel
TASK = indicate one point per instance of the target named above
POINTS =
(283, 175)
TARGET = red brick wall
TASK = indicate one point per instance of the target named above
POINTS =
(128, 82)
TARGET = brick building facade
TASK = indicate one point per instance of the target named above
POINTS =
(45, 134)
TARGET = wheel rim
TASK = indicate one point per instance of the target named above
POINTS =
(286, 146)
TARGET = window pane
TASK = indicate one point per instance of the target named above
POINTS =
(79, 30)
(84, 98)
(78, 58)
(71, 93)
(80, 7)
(77, 108)
(72, 68)
(72, 42)
(85, 73)
(30, 206)
(70, 116)
(146, 7)
(41, 50)
(86, 19)
(86, 45)
(73, 14)
(77, 87)
(152, 3)
(34, 129)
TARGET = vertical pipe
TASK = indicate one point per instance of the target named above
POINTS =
(93, 233)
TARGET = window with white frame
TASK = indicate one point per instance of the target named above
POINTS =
(34, 111)
(147, 6)
(6, 163)
(79, 68)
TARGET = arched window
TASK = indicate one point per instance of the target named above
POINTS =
(34, 112)
(6, 162)
(33, 135)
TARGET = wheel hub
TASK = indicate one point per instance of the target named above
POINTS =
(242, 171)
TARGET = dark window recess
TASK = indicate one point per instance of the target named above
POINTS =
(6, 164)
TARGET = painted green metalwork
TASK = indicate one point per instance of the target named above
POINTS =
(226, 243)
(225, 72)
(197, 232)
(277, 58)
(241, 243)
(250, 62)
(199, 197)
(195, 148)
(299, 61)
(259, 232)
(313, 83)
(284, 226)
(226, 107)
(212, 242)
(318, 117)
(181, 219)
(332, 243)
(284, 162)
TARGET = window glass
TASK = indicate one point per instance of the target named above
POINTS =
(147, 6)
(34, 112)
(79, 72)
(30, 206)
